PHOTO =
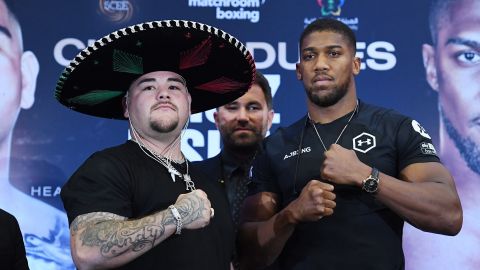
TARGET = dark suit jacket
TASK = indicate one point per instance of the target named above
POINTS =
(12, 249)
(211, 167)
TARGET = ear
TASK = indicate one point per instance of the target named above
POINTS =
(298, 70)
(125, 107)
(215, 117)
(428, 54)
(357, 63)
(270, 115)
(189, 98)
(29, 69)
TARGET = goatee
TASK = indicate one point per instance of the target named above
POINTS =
(163, 127)
(335, 95)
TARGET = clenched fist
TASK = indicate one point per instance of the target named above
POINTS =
(195, 209)
(342, 166)
(315, 201)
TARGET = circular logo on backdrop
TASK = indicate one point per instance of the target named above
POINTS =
(331, 7)
(116, 10)
(418, 128)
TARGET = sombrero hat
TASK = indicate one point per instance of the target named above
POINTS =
(217, 67)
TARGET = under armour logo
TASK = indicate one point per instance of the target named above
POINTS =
(364, 142)
(367, 141)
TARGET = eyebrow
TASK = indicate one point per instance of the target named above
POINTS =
(328, 47)
(461, 41)
(145, 80)
(171, 79)
(5, 31)
(180, 80)
(253, 102)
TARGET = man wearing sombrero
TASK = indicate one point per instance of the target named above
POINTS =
(140, 205)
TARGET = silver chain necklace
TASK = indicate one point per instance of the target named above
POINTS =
(190, 185)
(340, 135)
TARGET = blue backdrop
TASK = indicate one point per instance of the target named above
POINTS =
(50, 141)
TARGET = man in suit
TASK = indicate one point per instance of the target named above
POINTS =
(243, 124)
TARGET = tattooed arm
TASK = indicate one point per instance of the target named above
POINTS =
(101, 240)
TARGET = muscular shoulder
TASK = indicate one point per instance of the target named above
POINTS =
(121, 156)
(285, 135)
(124, 151)
(375, 115)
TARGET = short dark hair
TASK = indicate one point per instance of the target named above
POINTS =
(439, 14)
(330, 25)
(12, 7)
(261, 81)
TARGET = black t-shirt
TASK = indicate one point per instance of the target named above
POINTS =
(125, 181)
(362, 233)
(12, 249)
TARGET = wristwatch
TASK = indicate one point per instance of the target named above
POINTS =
(370, 184)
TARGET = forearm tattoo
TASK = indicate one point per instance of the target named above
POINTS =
(115, 235)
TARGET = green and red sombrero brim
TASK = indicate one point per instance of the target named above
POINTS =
(217, 67)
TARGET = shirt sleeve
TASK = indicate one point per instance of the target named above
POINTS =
(414, 144)
(99, 185)
(262, 176)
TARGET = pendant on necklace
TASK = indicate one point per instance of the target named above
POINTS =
(172, 172)
(190, 185)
